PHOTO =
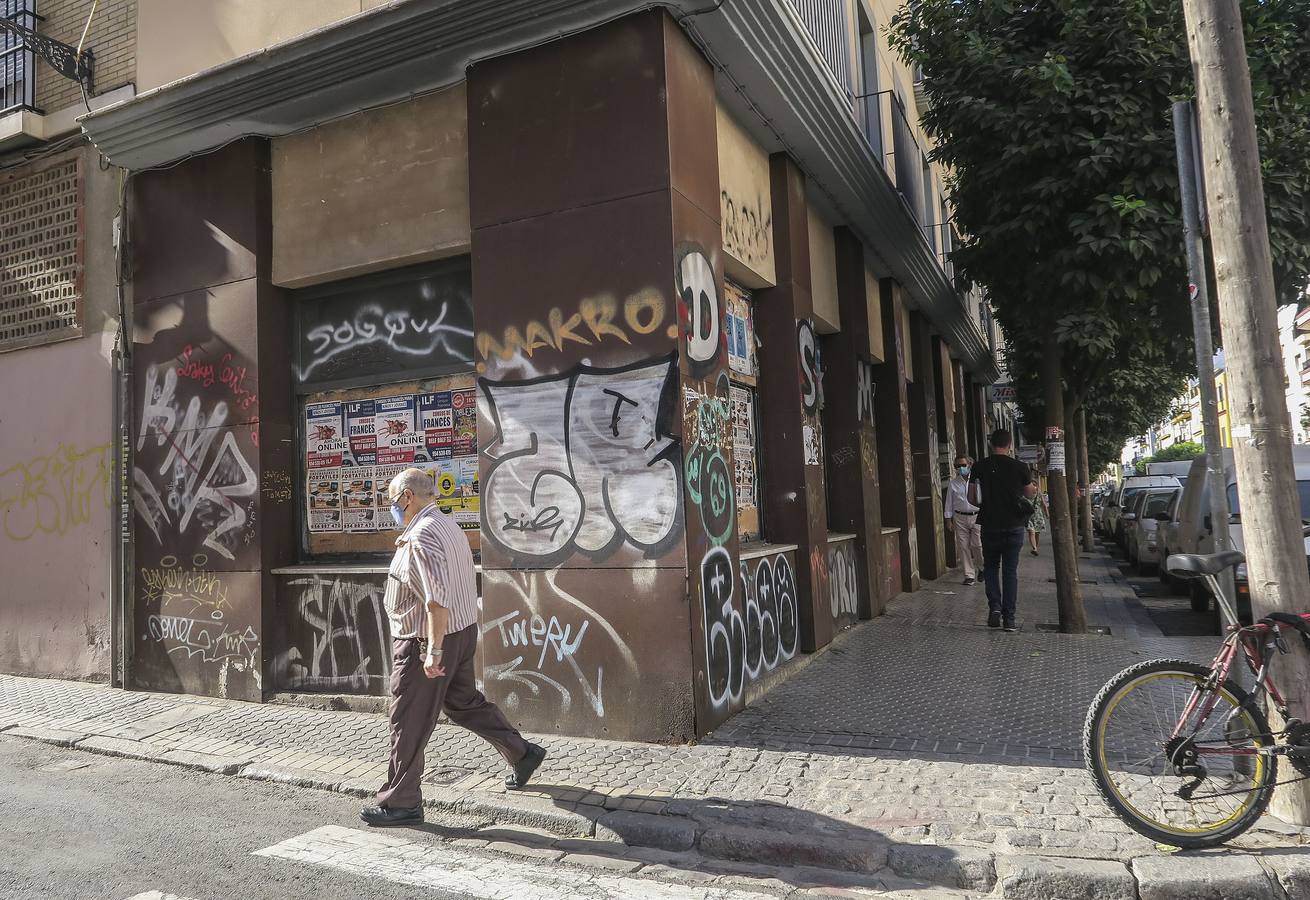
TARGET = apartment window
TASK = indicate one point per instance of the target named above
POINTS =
(871, 102)
(825, 20)
(16, 60)
(744, 404)
(929, 205)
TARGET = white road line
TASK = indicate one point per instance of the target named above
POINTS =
(488, 877)
(156, 895)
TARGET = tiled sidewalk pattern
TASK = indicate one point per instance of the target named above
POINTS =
(920, 725)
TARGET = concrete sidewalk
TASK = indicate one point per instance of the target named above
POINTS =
(922, 749)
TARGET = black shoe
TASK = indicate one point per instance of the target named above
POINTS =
(1010, 626)
(993, 620)
(968, 581)
(385, 816)
(524, 768)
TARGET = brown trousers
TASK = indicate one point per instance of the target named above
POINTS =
(416, 700)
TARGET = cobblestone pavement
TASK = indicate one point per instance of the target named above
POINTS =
(920, 727)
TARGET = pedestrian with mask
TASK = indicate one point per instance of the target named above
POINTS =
(1002, 487)
(962, 520)
(432, 602)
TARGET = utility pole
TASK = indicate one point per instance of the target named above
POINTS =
(1199, 295)
(1262, 437)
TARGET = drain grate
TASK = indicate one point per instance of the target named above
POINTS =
(1055, 626)
(445, 775)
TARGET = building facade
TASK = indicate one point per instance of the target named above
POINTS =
(59, 326)
(653, 295)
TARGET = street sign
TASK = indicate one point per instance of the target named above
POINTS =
(1004, 393)
(1030, 454)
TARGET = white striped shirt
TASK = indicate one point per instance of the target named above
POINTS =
(433, 562)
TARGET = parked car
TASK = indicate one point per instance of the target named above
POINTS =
(1106, 496)
(1192, 531)
(1141, 526)
(1122, 501)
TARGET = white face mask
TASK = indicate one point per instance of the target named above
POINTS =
(398, 512)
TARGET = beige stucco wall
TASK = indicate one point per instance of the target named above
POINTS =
(745, 205)
(374, 191)
(823, 274)
(56, 489)
(176, 38)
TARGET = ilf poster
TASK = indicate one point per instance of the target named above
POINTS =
(359, 429)
(398, 439)
(436, 421)
(325, 435)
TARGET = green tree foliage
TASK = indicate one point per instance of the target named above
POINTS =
(1054, 120)
(1180, 452)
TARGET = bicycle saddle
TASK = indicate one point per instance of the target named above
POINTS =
(1191, 565)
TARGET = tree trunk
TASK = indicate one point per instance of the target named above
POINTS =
(1071, 479)
(1069, 595)
(1261, 430)
(1085, 479)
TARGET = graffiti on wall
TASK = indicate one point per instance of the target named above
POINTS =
(596, 319)
(807, 346)
(551, 648)
(739, 647)
(708, 433)
(843, 583)
(204, 477)
(340, 636)
(422, 334)
(193, 614)
(747, 228)
(864, 391)
(55, 492)
(700, 313)
(582, 462)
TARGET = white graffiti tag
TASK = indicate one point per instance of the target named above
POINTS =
(399, 329)
(197, 485)
(346, 626)
(843, 586)
(582, 461)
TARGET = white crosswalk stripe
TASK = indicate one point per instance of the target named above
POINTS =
(156, 895)
(483, 876)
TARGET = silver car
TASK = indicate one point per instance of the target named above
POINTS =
(1142, 526)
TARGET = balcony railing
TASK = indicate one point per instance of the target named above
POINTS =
(17, 65)
(825, 21)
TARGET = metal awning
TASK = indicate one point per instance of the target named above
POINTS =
(410, 47)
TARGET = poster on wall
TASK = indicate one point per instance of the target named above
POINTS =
(323, 487)
(325, 435)
(398, 438)
(740, 328)
(436, 421)
(361, 432)
(743, 445)
(466, 422)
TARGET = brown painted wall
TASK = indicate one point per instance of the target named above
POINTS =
(211, 419)
(795, 508)
(923, 442)
(572, 207)
(892, 423)
(848, 413)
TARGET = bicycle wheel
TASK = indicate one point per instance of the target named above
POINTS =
(1129, 751)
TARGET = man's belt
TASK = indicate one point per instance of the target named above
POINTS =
(974, 513)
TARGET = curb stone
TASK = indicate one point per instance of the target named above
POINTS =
(960, 867)
(647, 830)
(120, 747)
(287, 775)
(1202, 878)
(57, 736)
(760, 845)
(1292, 869)
(1041, 878)
(208, 762)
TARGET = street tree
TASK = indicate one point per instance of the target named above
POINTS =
(1054, 122)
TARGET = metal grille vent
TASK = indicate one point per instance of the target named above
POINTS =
(41, 257)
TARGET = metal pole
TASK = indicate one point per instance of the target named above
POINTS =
(1199, 295)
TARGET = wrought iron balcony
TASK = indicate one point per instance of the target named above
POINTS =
(17, 63)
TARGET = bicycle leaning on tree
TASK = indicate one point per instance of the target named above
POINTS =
(1182, 752)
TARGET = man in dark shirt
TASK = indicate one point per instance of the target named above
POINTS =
(997, 487)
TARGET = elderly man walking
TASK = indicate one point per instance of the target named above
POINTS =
(431, 600)
(962, 519)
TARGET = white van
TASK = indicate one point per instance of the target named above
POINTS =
(1191, 530)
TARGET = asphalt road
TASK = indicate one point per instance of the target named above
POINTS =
(79, 825)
